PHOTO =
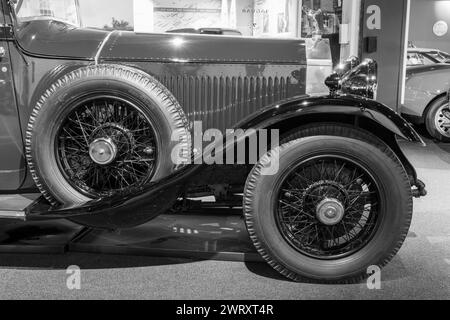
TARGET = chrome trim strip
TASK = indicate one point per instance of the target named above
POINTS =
(19, 215)
(102, 46)
(11, 171)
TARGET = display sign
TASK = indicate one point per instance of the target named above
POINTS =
(374, 17)
(440, 28)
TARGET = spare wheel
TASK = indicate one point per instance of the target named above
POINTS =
(102, 131)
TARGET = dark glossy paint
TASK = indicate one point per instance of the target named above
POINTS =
(12, 162)
(54, 39)
(32, 77)
(187, 48)
(218, 80)
(50, 38)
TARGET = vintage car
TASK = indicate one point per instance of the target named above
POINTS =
(422, 56)
(427, 100)
(96, 122)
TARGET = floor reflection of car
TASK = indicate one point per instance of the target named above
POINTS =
(208, 31)
(427, 85)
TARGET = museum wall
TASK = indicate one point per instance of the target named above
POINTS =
(280, 18)
(424, 14)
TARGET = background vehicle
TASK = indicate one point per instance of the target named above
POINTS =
(426, 100)
(420, 56)
(95, 113)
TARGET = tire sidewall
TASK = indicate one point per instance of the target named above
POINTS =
(390, 231)
(59, 105)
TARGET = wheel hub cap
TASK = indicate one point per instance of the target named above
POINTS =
(330, 212)
(103, 151)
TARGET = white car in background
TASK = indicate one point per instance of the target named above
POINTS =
(422, 56)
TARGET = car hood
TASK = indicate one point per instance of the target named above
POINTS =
(202, 49)
(56, 39)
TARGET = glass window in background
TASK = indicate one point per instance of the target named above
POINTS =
(322, 18)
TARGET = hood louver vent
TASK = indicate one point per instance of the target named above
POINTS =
(221, 102)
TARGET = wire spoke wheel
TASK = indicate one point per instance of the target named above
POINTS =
(340, 202)
(442, 120)
(107, 145)
(328, 207)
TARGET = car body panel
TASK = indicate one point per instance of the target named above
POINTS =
(220, 95)
(12, 162)
(423, 85)
(51, 38)
(32, 77)
(191, 48)
(55, 39)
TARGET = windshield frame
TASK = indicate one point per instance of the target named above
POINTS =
(16, 5)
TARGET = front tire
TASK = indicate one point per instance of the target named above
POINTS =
(287, 213)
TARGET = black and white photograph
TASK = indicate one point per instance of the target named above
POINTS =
(225, 156)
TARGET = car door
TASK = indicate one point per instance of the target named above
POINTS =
(12, 161)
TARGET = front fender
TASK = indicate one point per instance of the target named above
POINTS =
(344, 104)
(296, 113)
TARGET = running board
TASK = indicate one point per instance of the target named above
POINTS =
(15, 207)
